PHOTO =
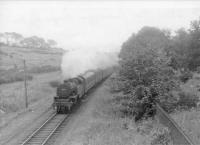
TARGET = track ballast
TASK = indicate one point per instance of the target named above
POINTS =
(42, 135)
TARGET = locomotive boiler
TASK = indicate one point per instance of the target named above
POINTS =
(67, 89)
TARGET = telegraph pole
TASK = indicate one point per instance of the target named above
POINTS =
(25, 85)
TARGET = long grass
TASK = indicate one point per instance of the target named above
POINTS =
(189, 119)
(12, 75)
(15, 75)
(12, 96)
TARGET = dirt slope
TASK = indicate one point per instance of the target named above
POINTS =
(11, 57)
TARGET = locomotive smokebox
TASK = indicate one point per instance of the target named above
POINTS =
(67, 89)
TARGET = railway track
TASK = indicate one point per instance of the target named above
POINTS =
(44, 134)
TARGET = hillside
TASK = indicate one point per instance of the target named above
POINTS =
(11, 57)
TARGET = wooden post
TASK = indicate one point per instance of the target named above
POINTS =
(25, 85)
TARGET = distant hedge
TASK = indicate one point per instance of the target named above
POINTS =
(44, 69)
(14, 75)
(11, 76)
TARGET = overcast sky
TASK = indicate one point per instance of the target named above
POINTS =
(93, 25)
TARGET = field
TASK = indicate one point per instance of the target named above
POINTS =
(189, 120)
(37, 61)
(12, 104)
(42, 74)
(12, 71)
(12, 95)
(12, 57)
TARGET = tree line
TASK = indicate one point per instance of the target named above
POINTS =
(16, 39)
(153, 63)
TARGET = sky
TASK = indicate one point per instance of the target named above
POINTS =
(93, 25)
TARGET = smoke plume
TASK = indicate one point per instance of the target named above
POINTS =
(77, 62)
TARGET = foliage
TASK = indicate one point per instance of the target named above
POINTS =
(185, 76)
(178, 50)
(34, 42)
(12, 75)
(194, 51)
(43, 69)
(153, 63)
(156, 133)
(187, 100)
(51, 42)
(15, 39)
(184, 47)
(161, 136)
(145, 68)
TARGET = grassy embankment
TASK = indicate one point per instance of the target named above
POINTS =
(37, 61)
(189, 120)
(42, 68)
(12, 99)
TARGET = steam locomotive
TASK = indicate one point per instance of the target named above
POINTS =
(73, 89)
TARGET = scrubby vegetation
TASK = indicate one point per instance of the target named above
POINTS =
(16, 39)
(185, 76)
(44, 69)
(12, 97)
(13, 75)
(153, 65)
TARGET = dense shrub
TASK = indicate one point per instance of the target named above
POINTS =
(198, 69)
(187, 100)
(13, 76)
(185, 76)
(169, 101)
(149, 81)
(145, 72)
(161, 136)
(149, 63)
(44, 69)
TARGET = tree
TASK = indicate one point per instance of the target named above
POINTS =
(51, 43)
(194, 49)
(2, 42)
(179, 49)
(12, 38)
(34, 42)
(144, 66)
(16, 36)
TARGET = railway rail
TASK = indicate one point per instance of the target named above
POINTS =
(43, 134)
(177, 134)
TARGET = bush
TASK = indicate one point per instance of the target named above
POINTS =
(11, 76)
(54, 84)
(169, 101)
(187, 100)
(44, 69)
(161, 136)
(182, 100)
(185, 76)
(198, 69)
